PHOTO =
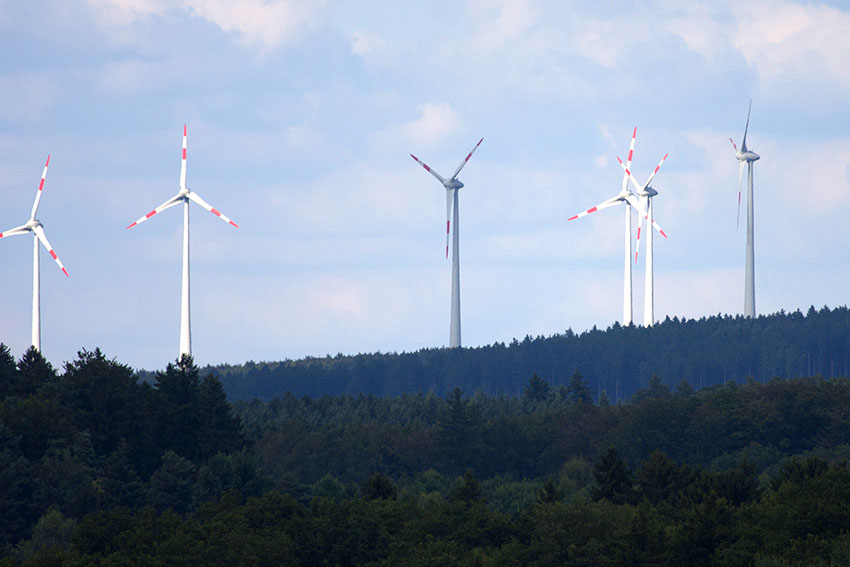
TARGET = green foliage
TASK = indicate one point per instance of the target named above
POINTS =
(379, 486)
(550, 493)
(53, 531)
(96, 468)
(171, 485)
(707, 352)
(613, 479)
(468, 490)
(578, 391)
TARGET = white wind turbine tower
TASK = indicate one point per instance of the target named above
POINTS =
(35, 227)
(452, 185)
(745, 156)
(184, 195)
(646, 193)
(624, 196)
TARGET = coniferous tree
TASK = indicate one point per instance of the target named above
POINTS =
(656, 478)
(220, 430)
(536, 393)
(8, 373)
(613, 479)
(34, 372)
(468, 490)
(177, 408)
(578, 391)
(457, 430)
(103, 398)
(171, 485)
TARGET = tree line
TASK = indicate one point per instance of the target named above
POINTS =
(618, 361)
(97, 467)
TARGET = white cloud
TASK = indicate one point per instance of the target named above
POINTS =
(501, 22)
(258, 22)
(794, 44)
(434, 123)
(267, 24)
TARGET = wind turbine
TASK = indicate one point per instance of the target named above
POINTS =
(184, 195)
(36, 228)
(745, 156)
(646, 193)
(624, 196)
(452, 186)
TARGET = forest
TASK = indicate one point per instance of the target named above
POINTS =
(618, 360)
(98, 467)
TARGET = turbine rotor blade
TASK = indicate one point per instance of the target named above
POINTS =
(449, 202)
(603, 205)
(738, 217)
(657, 167)
(734, 145)
(644, 212)
(466, 159)
(183, 162)
(40, 188)
(429, 170)
(656, 226)
(13, 231)
(166, 205)
(39, 232)
(747, 127)
(632, 200)
(628, 175)
(629, 158)
(640, 226)
(197, 199)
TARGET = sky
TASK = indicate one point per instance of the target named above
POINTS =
(301, 116)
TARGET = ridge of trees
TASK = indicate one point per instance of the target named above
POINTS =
(616, 362)
(98, 467)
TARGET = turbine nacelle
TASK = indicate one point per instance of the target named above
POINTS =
(747, 156)
(648, 192)
(452, 184)
(32, 224)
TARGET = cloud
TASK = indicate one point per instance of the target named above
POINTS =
(793, 44)
(434, 123)
(502, 22)
(266, 24)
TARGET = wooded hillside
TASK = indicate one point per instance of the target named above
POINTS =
(619, 360)
(97, 468)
